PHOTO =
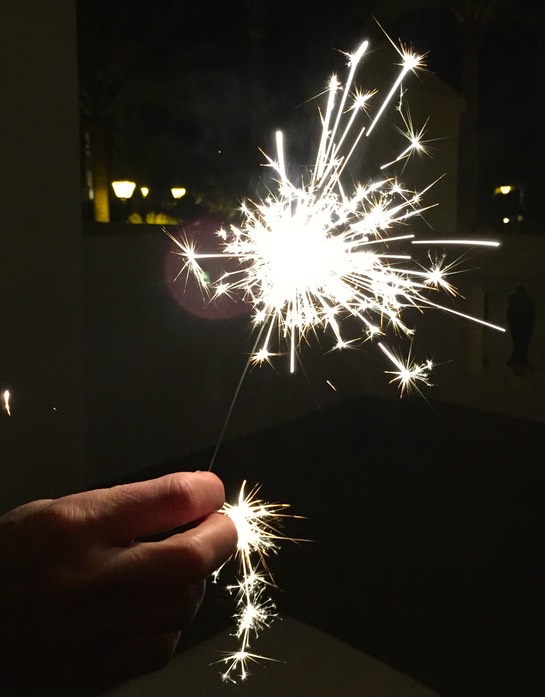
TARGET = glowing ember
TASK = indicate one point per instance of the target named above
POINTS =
(6, 396)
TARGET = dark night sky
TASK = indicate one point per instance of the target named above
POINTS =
(205, 47)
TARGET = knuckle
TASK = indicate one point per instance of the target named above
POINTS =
(59, 518)
(59, 538)
(180, 493)
(196, 559)
(61, 524)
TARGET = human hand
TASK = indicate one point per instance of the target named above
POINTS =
(84, 600)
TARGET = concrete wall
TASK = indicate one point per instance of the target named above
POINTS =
(40, 252)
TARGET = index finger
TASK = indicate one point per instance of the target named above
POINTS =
(129, 511)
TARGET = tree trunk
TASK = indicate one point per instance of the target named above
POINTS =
(257, 27)
(469, 146)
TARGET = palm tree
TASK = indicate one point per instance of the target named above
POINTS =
(474, 19)
(154, 102)
(113, 60)
(106, 58)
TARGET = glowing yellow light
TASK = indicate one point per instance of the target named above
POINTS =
(123, 189)
(178, 192)
(504, 189)
(144, 190)
(506, 220)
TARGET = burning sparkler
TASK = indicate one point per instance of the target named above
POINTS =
(258, 536)
(313, 253)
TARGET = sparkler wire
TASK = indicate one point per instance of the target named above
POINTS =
(231, 407)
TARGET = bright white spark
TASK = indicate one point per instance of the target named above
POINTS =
(417, 144)
(408, 373)
(6, 396)
(256, 522)
(471, 243)
(318, 250)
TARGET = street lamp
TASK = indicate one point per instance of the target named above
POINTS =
(178, 192)
(144, 190)
(504, 189)
(123, 189)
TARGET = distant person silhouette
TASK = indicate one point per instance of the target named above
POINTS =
(521, 318)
